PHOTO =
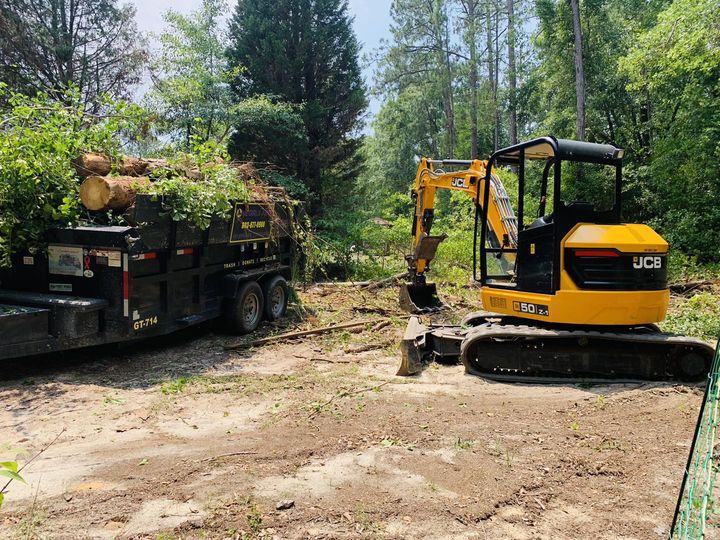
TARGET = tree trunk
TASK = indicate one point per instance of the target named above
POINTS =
(512, 72)
(443, 46)
(471, 30)
(579, 72)
(491, 70)
(92, 164)
(100, 193)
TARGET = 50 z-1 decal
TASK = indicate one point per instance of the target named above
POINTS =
(532, 309)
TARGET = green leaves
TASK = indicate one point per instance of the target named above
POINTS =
(9, 470)
(40, 137)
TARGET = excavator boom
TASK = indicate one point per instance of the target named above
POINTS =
(418, 296)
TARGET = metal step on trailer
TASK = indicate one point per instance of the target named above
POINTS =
(64, 316)
(20, 323)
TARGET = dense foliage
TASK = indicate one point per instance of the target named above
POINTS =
(91, 45)
(651, 72)
(305, 52)
(38, 141)
(190, 76)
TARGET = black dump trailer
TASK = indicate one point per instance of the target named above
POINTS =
(109, 284)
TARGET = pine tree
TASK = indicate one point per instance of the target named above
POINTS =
(305, 52)
(92, 45)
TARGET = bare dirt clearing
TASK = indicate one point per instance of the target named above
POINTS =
(183, 439)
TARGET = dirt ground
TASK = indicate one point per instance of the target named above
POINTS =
(182, 439)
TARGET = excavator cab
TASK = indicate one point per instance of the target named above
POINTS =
(560, 183)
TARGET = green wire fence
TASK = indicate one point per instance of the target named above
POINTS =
(696, 501)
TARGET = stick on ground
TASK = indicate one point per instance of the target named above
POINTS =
(302, 333)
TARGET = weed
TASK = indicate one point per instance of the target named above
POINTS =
(364, 522)
(610, 444)
(113, 400)
(387, 443)
(175, 386)
(574, 425)
(254, 518)
(600, 401)
(28, 528)
(699, 316)
(500, 449)
(464, 444)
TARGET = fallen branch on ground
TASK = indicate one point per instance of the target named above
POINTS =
(369, 347)
(383, 282)
(302, 333)
(231, 454)
(685, 287)
(320, 407)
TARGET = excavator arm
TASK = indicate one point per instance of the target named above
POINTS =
(418, 296)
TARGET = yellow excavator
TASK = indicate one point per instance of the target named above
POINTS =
(570, 291)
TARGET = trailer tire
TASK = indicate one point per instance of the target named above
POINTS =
(246, 310)
(275, 291)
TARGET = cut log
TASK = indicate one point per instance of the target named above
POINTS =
(132, 166)
(100, 193)
(92, 164)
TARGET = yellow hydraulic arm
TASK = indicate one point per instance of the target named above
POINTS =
(471, 179)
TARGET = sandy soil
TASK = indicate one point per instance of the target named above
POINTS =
(183, 439)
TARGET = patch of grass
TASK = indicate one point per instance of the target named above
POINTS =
(610, 444)
(600, 401)
(175, 386)
(699, 316)
(113, 400)
(254, 518)
(30, 525)
(390, 442)
(364, 522)
(500, 449)
(464, 444)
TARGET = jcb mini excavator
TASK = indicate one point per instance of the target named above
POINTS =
(570, 293)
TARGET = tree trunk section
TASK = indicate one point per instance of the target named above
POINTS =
(100, 193)
(92, 164)
(579, 72)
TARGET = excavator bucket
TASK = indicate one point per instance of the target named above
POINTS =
(419, 298)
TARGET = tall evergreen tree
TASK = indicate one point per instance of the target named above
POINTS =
(48, 46)
(305, 52)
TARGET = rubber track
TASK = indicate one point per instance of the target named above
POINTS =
(545, 338)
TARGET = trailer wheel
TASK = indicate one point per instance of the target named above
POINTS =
(276, 298)
(246, 309)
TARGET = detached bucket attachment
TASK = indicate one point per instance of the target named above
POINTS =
(419, 298)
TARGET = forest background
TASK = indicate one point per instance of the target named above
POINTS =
(280, 84)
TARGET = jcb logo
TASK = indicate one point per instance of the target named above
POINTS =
(648, 263)
(458, 182)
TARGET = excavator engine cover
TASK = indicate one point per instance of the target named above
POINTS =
(419, 298)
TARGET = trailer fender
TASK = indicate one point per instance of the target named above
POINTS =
(230, 285)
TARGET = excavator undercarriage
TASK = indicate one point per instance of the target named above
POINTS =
(508, 349)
